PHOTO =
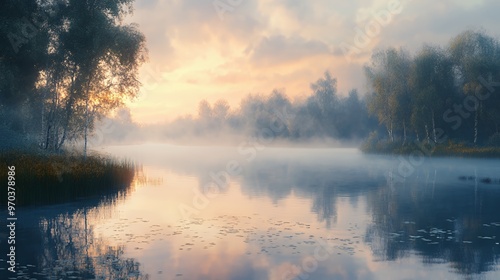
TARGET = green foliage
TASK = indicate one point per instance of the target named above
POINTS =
(439, 92)
(64, 65)
(389, 76)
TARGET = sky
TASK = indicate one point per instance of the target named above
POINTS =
(227, 49)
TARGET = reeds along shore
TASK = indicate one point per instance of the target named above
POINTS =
(47, 178)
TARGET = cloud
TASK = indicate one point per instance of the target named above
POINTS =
(280, 49)
(265, 44)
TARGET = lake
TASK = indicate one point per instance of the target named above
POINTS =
(256, 212)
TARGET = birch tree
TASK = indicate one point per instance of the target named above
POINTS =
(474, 55)
(94, 61)
(388, 76)
(433, 90)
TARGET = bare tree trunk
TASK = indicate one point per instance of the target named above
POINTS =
(69, 113)
(55, 139)
(87, 117)
(42, 130)
(47, 140)
(427, 133)
(47, 127)
(434, 128)
(391, 132)
(475, 126)
(86, 128)
(404, 132)
(69, 110)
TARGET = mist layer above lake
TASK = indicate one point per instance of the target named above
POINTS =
(281, 213)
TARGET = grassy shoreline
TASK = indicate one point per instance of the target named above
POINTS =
(448, 149)
(48, 178)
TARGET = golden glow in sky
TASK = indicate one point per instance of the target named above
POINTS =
(196, 53)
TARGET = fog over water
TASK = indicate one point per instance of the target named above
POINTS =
(249, 140)
(261, 212)
(433, 213)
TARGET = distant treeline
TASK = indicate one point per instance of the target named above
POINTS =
(322, 114)
(438, 94)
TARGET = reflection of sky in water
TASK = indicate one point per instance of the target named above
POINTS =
(279, 213)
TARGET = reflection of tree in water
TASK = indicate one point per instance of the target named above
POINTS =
(142, 179)
(429, 215)
(59, 241)
(321, 183)
(448, 222)
(70, 250)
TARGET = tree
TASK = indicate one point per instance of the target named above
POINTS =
(323, 103)
(93, 67)
(204, 110)
(388, 76)
(401, 97)
(278, 104)
(220, 111)
(353, 117)
(23, 45)
(475, 55)
(432, 82)
(253, 113)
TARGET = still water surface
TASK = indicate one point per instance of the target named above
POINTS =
(286, 213)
